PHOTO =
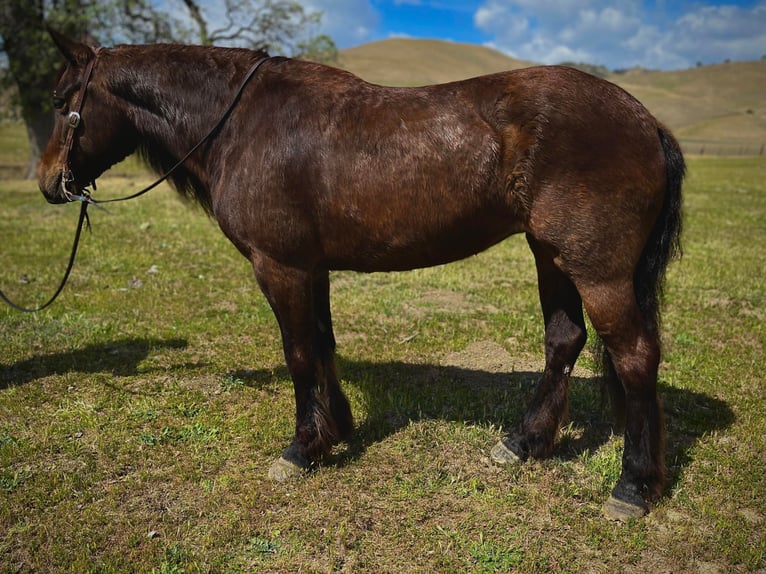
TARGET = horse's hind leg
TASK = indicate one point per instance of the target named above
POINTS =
(300, 302)
(633, 345)
(565, 337)
(321, 294)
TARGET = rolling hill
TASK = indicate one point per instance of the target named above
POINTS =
(720, 107)
(408, 62)
(724, 102)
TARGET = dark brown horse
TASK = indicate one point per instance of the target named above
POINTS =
(316, 170)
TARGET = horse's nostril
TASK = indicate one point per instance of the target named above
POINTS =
(51, 187)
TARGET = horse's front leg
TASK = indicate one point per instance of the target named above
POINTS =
(300, 301)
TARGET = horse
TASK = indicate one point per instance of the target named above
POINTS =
(311, 170)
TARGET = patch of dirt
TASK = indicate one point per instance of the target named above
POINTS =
(493, 358)
(751, 516)
(445, 301)
(709, 568)
(651, 562)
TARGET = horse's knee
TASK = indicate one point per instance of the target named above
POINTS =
(300, 361)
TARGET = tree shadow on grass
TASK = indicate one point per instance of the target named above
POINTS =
(395, 393)
(120, 358)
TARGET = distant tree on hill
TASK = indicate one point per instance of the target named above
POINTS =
(319, 49)
(600, 71)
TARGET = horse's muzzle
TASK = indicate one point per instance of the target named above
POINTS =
(52, 186)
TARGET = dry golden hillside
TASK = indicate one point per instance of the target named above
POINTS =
(722, 102)
(408, 62)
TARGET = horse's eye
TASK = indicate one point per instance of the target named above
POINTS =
(58, 102)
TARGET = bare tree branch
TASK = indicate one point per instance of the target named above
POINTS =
(199, 19)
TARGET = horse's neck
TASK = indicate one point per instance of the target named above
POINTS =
(173, 93)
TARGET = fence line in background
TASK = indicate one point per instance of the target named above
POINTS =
(722, 148)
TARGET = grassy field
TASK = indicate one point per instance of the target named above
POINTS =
(139, 415)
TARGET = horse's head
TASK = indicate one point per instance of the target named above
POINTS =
(91, 130)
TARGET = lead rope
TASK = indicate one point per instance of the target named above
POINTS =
(85, 197)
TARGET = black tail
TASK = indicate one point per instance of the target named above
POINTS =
(663, 244)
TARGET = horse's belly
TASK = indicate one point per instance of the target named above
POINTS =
(411, 244)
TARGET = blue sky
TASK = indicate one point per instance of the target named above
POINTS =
(660, 34)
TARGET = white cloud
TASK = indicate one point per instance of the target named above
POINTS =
(622, 33)
(498, 20)
(722, 32)
(614, 33)
(347, 22)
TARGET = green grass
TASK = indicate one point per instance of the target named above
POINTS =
(139, 415)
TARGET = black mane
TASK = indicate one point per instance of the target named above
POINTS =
(187, 66)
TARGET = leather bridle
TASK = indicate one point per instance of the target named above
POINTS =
(72, 123)
(83, 195)
(73, 120)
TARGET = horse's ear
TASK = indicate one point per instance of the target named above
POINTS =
(74, 52)
(92, 42)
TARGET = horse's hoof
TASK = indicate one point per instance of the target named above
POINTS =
(616, 509)
(283, 470)
(504, 452)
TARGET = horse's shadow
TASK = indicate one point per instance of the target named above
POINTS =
(396, 393)
(120, 358)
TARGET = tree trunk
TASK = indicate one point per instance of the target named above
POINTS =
(38, 131)
(33, 61)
